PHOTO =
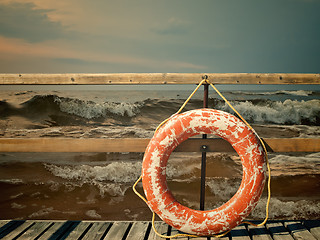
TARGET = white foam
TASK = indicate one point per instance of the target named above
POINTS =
(42, 212)
(223, 188)
(118, 132)
(295, 165)
(289, 209)
(110, 179)
(90, 109)
(295, 93)
(93, 214)
(17, 206)
(119, 172)
(289, 111)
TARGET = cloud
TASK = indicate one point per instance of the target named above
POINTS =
(173, 26)
(24, 22)
(55, 51)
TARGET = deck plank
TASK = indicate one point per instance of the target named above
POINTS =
(117, 231)
(240, 233)
(298, 231)
(175, 231)
(18, 230)
(314, 227)
(138, 230)
(3, 222)
(259, 233)
(78, 231)
(278, 231)
(52, 229)
(88, 230)
(9, 227)
(161, 228)
(35, 230)
(97, 230)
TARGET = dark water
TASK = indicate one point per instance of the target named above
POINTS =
(98, 185)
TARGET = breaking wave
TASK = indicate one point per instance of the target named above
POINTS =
(289, 112)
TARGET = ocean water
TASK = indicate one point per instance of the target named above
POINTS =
(97, 186)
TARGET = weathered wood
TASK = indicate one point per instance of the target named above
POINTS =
(2, 223)
(314, 227)
(175, 231)
(159, 78)
(278, 231)
(72, 145)
(240, 233)
(79, 231)
(47, 234)
(139, 145)
(64, 230)
(298, 231)
(138, 230)
(9, 227)
(161, 228)
(35, 230)
(294, 144)
(117, 230)
(259, 233)
(97, 230)
(89, 230)
(17, 231)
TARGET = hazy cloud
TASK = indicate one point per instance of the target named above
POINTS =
(160, 36)
(22, 21)
(173, 26)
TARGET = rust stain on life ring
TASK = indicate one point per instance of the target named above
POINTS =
(180, 128)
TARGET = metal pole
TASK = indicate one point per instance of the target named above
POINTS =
(204, 154)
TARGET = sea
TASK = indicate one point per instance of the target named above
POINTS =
(98, 186)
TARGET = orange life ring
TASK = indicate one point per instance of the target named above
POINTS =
(178, 129)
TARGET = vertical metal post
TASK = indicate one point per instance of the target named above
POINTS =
(204, 154)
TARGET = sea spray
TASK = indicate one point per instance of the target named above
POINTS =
(287, 112)
(91, 109)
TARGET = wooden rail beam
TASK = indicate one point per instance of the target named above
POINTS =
(157, 78)
(139, 145)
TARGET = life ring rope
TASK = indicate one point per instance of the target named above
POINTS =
(262, 144)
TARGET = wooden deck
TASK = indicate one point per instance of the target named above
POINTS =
(30, 229)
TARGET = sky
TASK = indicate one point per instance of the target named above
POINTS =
(107, 36)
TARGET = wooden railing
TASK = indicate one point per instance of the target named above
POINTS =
(138, 144)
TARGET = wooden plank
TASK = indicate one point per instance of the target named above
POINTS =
(278, 231)
(161, 228)
(314, 227)
(64, 230)
(259, 233)
(294, 144)
(139, 145)
(159, 78)
(72, 145)
(79, 230)
(18, 230)
(138, 230)
(175, 231)
(117, 230)
(35, 230)
(298, 231)
(3, 222)
(10, 227)
(47, 234)
(97, 231)
(240, 233)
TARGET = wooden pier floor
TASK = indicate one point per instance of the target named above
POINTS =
(30, 229)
